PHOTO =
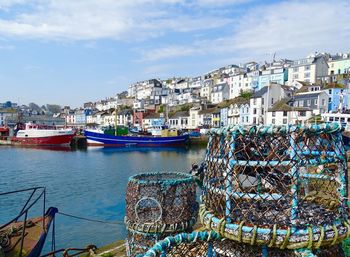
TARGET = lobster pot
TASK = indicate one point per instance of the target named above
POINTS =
(279, 186)
(158, 205)
(137, 243)
(208, 244)
(228, 248)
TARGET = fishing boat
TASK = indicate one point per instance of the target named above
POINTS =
(23, 236)
(99, 138)
(42, 135)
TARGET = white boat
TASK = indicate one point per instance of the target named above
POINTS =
(42, 135)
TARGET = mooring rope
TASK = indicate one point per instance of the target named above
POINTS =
(91, 220)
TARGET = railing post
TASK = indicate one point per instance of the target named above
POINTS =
(23, 232)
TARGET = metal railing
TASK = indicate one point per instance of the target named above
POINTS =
(31, 201)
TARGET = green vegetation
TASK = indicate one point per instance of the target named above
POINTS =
(123, 107)
(246, 94)
(161, 108)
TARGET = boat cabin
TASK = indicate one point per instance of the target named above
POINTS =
(4, 132)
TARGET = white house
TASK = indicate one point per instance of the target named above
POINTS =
(238, 113)
(194, 120)
(282, 114)
(308, 69)
(125, 117)
(206, 88)
(317, 101)
(219, 93)
(179, 120)
(239, 83)
(264, 99)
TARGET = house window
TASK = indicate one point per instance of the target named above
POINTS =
(284, 114)
(284, 121)
(307, 75)
(262, 100)
(254, 101)
(315, 101)
(330, 100)
(323, 101)
(254, 111)
(342, 119)
(262, 111)
(273, 121)
(254, 120)
(295, 76)
(302, 113)
(273, 114)
(309, 102)
(271, 101)
(296, 69)
(330, 91)
(331, 119)
(307, 67)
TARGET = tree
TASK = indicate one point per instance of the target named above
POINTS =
(161, 108)
(246, 94)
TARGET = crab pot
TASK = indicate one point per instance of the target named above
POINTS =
(278, 186)
(158, 205)
(137, 243)
(209, 244)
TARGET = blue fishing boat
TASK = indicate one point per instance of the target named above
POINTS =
(99, 138)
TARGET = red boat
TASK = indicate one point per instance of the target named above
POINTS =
(41, 135)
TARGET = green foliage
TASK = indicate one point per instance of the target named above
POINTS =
(124, 107)
(185, 107)
(161, 108)
(246, 94)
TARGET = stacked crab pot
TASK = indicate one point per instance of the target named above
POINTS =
(158, 205)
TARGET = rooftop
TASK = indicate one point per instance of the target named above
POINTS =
(283, 105)
(179, 115)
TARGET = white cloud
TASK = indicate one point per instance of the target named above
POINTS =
(289, 28)
(167, 53)
(96, 19)
(220, 2)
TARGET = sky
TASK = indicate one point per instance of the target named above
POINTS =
(69, 52)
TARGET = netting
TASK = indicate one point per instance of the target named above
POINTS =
(158, 205)
(208, 244)
(280, 186)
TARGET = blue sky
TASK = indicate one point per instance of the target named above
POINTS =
(69, 52)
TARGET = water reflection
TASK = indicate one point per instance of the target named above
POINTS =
(87, 183)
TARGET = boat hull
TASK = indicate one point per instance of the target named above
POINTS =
(100, 139)
(59, 140)
(35, 238)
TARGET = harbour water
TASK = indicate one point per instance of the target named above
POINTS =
(87, 183)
